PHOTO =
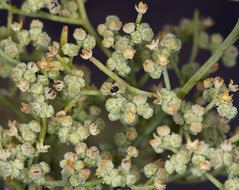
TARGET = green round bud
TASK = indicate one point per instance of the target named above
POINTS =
(89, 42)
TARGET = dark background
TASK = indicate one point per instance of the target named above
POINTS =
(224, 13)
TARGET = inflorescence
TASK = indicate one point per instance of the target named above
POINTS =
(165, 137)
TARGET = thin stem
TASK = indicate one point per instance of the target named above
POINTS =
(195, 36)
(8, 58)
(149, 128)
(87, 25)
(143, 80)
(187, 136)
(131, 78)
(61, 183)
(13, 108)
(139, 18)
(41, 14)
(178, 176)
(210, 106)
(166, 78)
(65, 65)
(9, 21)
(90, 92)
(232, 37)
(234, 138)
(76, 98)
(43, 130)
(174, 150)
(174, 65)
(142, 187)
(16, 185)
(115, 77)
(217, 183)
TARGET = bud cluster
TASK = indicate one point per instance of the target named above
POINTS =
(169, 101)
(121, 108)
(217, 91)
(121, 176)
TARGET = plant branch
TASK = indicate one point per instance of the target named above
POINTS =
(234, 138)
(82, 92)
(43, 130)
(166, 78)
(174, 65)
(231, 38)
(115, 77)
(143, 80)
(217, 183)
(178, 176)
(210, 106)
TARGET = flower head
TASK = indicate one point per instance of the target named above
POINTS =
(141, 8)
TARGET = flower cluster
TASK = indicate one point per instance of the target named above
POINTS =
(164, 139)
(66, 111)
(18, 148)
(162, 50)
(168, 100)
(74, 168)
(152, 170)
(125, 46)
(217, 91)
(121, 108)
(121, 176)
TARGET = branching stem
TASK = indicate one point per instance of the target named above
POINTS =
(231, 38)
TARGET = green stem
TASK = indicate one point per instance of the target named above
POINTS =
(41, 14)
(210, 106)
(65, 65)
(9, 21)
(13, 108)
(195, 36)
(176, 70)
(8, 58)
(186, 135)
(166, 78)
(139, 18)
(62, 183)
(234, 138)
(82, 92)
(131, 78)
(149, 128)
(143, 80)
(115, 77)
(142, 187)
(16, 185)
(232, 37)
(43, 130)
(87, 25)
(178, 176)
(217, 183)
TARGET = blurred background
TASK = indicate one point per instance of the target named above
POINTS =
(160, 12)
